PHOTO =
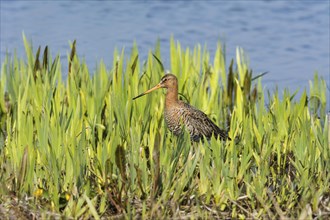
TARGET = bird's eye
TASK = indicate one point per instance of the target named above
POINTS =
(164, 80)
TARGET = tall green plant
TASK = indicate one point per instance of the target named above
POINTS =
(82, 148)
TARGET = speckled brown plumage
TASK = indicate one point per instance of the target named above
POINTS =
(179, 114)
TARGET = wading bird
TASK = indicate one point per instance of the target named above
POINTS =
(179, 114)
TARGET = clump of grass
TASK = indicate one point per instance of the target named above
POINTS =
(81, 148)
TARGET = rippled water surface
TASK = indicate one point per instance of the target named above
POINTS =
(290, 39)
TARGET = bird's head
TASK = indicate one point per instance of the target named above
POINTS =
(168, 81)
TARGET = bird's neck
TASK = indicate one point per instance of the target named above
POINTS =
(171, 96)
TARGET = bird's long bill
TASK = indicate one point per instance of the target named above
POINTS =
(148, 91)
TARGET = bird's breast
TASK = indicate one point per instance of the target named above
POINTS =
(174, 118)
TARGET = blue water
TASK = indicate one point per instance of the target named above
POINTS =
(289, 39)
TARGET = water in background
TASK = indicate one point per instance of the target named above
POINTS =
(289, 39)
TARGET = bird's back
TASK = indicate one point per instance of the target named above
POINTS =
(196, 122)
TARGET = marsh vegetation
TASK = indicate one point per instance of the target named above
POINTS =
(81, 148)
